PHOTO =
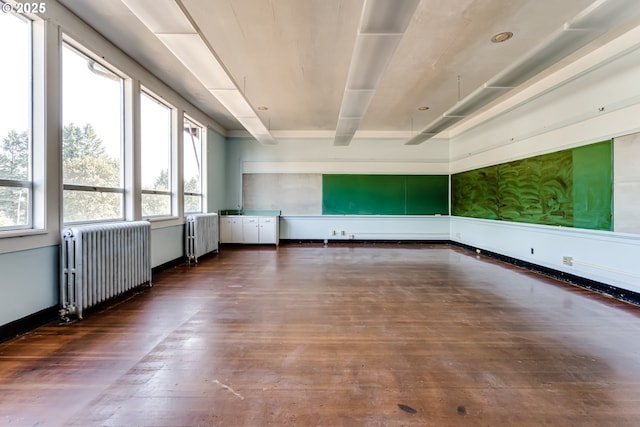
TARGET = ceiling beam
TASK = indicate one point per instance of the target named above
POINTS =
(171, 23)
(593, 22)
(382, 25)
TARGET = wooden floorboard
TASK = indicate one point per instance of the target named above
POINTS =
(361, 335)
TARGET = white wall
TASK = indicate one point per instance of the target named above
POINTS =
(365, 227)
(594, 99)
(600, 103)
(606, 257)
(626, 184)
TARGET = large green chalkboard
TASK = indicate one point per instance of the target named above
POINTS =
(346, 194)
(571, 188)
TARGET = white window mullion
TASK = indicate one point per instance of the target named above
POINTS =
(132, 150)
(192, 166)
(178, 163)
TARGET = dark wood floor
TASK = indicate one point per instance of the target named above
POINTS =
(306, 335)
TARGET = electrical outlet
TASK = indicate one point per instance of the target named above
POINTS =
(342, 232)
(334, 232)
(531, 251)
(567, 260)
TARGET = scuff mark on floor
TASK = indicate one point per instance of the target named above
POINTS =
(226, 387)
(407, 409)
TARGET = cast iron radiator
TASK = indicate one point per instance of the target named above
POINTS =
(201, 235)
(101, 261)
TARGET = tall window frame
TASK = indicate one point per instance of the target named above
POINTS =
(100, 183)
(156, 151)
(192, 171)
(16, 145)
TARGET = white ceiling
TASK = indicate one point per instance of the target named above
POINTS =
(293, 56)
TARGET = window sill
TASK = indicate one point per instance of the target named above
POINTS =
(22, 232)
(164, 221)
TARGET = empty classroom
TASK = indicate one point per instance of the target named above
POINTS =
(320, 212)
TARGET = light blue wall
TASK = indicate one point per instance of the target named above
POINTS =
(29, 259)
(28, 282)
(167, 244)
(216, 170)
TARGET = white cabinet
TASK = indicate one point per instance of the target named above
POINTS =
(250, 229)
(268, 230)
(231, 229)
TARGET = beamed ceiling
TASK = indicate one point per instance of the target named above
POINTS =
(294, 56)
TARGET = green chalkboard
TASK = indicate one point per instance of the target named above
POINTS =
(571, 188)
(593, 186)
(427, 194)
(346, 194)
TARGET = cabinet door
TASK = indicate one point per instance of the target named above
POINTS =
(267, 230)
(236, 230)
(250, 232)
(226, 235)
(230, 230)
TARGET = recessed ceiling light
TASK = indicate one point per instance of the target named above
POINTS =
(263, 108)
(423, 108)
(502, 37)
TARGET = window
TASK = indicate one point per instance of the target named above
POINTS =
(155, 136)
(16, 189)
(192, 146)
(92, 99)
